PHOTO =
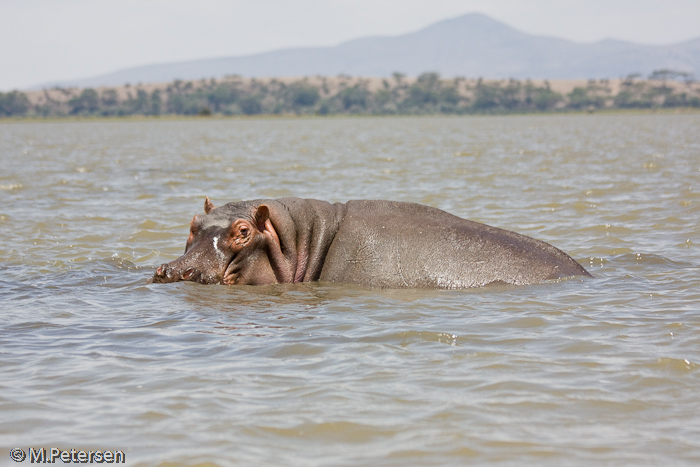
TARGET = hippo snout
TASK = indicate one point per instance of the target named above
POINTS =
(166, 273)
(163, 274)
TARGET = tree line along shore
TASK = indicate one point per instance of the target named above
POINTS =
(318, 95)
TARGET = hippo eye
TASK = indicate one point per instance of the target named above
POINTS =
(244, 231)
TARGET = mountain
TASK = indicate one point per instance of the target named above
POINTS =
(472, 45)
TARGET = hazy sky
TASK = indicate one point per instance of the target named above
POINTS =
(48, 40)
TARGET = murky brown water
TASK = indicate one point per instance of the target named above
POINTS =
(599, 371)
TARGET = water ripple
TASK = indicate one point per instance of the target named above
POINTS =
(583, 371)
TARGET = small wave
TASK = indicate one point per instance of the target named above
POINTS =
(650, 259)
(347, 432)
(405, 338)
(673, 365)
(11, 186)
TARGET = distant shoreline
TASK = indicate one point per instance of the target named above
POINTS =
(262, 117)
(428, 94)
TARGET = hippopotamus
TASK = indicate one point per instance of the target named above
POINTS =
(376, 244)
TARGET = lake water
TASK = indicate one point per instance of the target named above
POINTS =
(580, 372)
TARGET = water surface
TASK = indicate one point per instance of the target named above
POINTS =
(583, 371)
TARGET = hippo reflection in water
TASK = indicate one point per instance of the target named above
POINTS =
(383, 244)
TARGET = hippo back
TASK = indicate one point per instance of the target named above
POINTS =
(390, 244)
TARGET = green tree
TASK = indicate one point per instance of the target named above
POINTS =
(511, 95)
(354, 98)
(627, 99)
(486, 96)
(324, 108)
(382, 99)
(251, 105)
(580, 98)
(302, 95)
(109, 98)
(14, 104)
(184, 104)
(424, 94)
(668, 75)
(86, 103)
(140, 105)
(544, 98)
(156, 102)
(222, 96)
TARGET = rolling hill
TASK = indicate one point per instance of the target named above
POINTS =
(472, 45)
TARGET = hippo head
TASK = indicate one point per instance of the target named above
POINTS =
(226, 245)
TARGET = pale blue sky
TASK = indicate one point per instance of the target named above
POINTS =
(49, 40)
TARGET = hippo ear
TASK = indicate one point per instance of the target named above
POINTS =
(264, 224)
(261, 216)
(208, 206)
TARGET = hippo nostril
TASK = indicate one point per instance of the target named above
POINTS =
(187, 274)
